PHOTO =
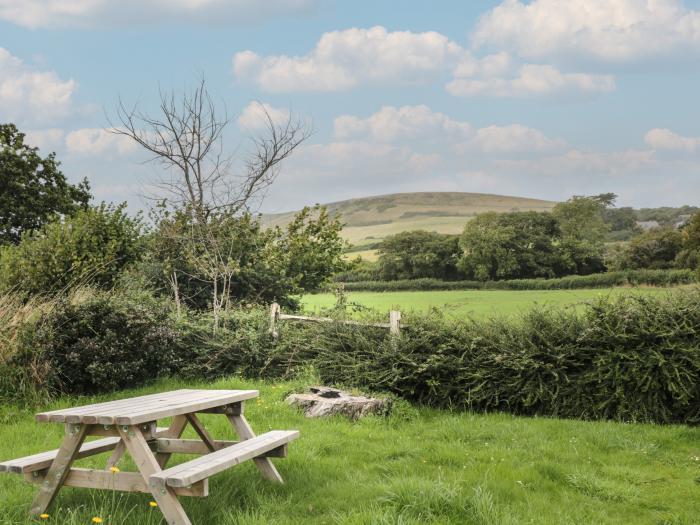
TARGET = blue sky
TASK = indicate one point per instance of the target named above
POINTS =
(546, 98)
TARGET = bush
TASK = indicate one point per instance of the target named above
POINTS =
(93, 246)
(600, 280)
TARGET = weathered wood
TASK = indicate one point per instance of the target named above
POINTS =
(203, 467)
(330, 320)
(201, 431)
(147, 408)
(274, 316)
(44, 459)
(394, 322)
(58, 470)
(147, 465)
(264, 465)
(119, 481)
(116, 455)
(175, 430)
(195, 446)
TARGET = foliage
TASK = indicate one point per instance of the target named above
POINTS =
(418, 254)
(583, 233)
(32, 189)
(654, 249)
(92, 246)
(599, 280)
(510, 246)
(233, 258)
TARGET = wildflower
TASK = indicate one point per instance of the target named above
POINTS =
(44, 516)
(152, 504)
(114, 470)
(97, 519)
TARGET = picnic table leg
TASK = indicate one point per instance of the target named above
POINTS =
(245, 431)
(201, 431)
(147, 464)
(175, 430)
(56, 475)
(117, 454)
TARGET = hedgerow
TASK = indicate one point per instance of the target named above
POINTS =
(634, 358)
(599, 280)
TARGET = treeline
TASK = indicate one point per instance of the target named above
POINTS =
(571, 240)
(629, 359)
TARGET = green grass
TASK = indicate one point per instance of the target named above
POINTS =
(417, 466)
(478, 303)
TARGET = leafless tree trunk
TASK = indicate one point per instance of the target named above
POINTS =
(186, 139)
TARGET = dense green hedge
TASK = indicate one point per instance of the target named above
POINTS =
(634, 358)
(599, 280)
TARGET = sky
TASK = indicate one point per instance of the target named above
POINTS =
(544, 99)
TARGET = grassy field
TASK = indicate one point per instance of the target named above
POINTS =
(478, 303)
(417, 466)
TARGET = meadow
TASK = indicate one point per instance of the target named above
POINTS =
(477, 303)
(416, 466)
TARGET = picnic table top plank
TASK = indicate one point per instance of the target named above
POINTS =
(137, 410)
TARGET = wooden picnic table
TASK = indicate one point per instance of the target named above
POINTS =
(130, 426)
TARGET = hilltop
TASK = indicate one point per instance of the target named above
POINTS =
(368, 220)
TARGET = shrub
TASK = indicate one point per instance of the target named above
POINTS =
(93, 246)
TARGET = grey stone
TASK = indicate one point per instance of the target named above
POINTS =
(325, 401)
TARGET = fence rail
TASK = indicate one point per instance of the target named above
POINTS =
(276, 315)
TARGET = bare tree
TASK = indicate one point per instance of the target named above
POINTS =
(187, 139)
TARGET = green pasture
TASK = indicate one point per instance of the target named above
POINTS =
(478, 303)
(417, 466)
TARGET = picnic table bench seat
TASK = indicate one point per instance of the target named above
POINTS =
(190, 472)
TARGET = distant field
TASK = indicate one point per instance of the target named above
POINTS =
(369, 220)
(478, 303)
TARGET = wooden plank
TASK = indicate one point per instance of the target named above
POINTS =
(175, 430)
(195, 446)
(330, 320)
(264, 465)
(119, 481)
(201, 431)
(203, 467)
(147, 464)
(58, 470)
(178, 401)
(43, 460)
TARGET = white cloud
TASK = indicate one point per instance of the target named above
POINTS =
(98, 141)
(528, 80)
(253, 115)
(515, 138)
(420, 125)
(665, 139)
(28, 95)
(344, 59)
(100, 13)
(407, 122)
(45, 139)
(607, 30)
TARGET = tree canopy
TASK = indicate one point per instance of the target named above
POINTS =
(32, 188)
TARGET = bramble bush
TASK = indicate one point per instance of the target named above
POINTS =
(633, 358)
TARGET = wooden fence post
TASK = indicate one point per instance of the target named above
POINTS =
(394, 322)
(274, 316)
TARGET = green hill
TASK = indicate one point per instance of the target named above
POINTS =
(368, 220)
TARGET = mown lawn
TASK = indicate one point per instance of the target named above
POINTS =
(417, 466)
(477, 303)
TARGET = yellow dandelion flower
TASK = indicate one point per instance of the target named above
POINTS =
(114, 470)
(97, 519)
(152, 504)
(44, 516)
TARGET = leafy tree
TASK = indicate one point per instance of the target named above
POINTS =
(32, 189)
(655, 249)
(416, 254)
(511, 246)
(92, 246)
(583, 233)
(689, 256)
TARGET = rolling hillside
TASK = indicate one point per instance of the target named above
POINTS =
(368, 220)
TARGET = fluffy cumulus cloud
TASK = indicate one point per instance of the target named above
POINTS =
(256, 114)
(665, 139)
(345, 59)
(413, 125)
(607, 30)
(99, 13)
(28, 95)
(98, 141)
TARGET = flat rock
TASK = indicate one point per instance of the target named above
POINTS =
(322, 401)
